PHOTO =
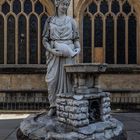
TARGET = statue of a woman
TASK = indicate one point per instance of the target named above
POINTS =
(61, 40)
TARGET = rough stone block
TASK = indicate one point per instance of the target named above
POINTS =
(77, 116)
(98, 136)
(81, 103)
(70, 102)
(61, 107)
(63, 114)
(62, 119)
(61, 101)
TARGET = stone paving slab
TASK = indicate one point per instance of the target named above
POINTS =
(9, 124)
(131, 122)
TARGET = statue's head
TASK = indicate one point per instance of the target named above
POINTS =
(57, 2)
(62, 5)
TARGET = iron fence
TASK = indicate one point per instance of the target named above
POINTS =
(38, 100)
(23, 101)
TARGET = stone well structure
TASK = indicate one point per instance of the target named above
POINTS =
(82, 114)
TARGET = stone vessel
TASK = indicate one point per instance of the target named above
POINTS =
(82, 114)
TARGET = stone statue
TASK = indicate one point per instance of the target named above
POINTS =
(79, 108)
(61, 40)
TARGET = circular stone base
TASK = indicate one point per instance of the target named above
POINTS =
(41, 127)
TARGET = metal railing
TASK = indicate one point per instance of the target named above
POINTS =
(24, 100)
(38, 100)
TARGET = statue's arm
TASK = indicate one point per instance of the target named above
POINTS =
(76, 37)
(45, 40)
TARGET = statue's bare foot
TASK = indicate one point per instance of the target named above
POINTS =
(52, 112)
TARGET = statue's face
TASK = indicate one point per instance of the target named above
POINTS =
(63, 6)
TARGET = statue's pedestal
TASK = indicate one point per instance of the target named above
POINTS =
(82, 114)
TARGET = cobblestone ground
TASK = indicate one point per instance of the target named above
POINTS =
(10, 122)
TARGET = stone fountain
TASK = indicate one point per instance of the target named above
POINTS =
(83, 114)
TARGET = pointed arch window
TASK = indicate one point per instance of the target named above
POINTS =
(43, 57)
(87, 39)
(33, 25)
(11, 40)
(120, 40)
(109, 40)
(98, 29)
(22, 40)
(23, 21)
(132, 39)
(114, 27)
(1, 39)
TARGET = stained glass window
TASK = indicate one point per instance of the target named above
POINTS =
(27, 7)
(93, 8)
(132, 49)
(109, 40)
(1, 40)
(38, 7)
(98, 36)
(87, 37)
(16, 6)
(104, 6)
(11, 40)
(22, 40)
(43, 50)
(126, 7)
(5, 8)
(115, 7)
(117, 42)
(121, 40)
(33, 39)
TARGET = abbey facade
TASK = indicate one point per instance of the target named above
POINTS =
(109, 33)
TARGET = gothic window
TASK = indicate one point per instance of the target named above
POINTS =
(121, 40)
(33, 39)
(16, 6)
(27, 7)
(43, 57)
(104, 6)
(11, 40)
(113, 29)
(23, 22)
(98, 27)
(5, 8)
(38, 7)
(93, 8)
(132, 49)
(109, 40)
(126, 7)
(115, 7)
(22, 40)
(1, 39)
(87, 38)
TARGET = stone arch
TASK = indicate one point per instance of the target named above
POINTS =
(84, 3)
(80, 8)
(48, 4)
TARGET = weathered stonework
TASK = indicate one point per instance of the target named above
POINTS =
(82, 114)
